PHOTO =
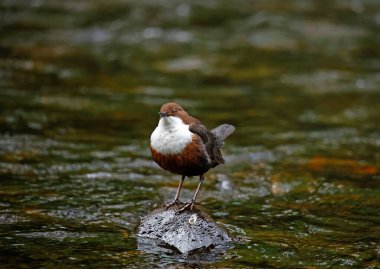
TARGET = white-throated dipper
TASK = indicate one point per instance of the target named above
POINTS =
(182, 145)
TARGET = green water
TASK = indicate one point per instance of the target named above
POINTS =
(81, 83)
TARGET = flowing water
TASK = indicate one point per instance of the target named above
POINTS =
(82, 82)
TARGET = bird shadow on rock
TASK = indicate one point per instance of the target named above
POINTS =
(189, 234)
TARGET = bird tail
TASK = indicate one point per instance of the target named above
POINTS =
(221, 132)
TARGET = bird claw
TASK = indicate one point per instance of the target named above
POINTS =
(189, 205)
(167, 206)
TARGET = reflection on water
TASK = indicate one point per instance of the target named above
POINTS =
(81, 84)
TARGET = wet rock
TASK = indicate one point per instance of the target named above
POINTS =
(164, 230)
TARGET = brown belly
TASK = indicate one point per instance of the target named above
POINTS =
(192, 161)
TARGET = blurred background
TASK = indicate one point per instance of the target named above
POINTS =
(81, 83)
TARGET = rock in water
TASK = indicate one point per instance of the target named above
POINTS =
(189, 231)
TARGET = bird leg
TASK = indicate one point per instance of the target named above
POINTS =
(175, 201)
(192, 202)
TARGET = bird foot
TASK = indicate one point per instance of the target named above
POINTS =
(169, 205)
(189, 205)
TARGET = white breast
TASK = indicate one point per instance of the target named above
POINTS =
(171, 136)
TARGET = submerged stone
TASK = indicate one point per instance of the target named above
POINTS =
(164, 230)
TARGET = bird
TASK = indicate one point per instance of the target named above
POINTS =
(182, 145)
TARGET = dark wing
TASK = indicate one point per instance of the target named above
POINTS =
(210, 142)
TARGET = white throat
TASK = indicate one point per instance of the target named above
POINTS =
(171, 136)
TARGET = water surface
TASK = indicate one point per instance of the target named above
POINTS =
(81, 84)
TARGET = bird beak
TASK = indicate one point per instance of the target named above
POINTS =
(162, 114)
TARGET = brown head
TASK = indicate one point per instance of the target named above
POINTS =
(175, 110)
